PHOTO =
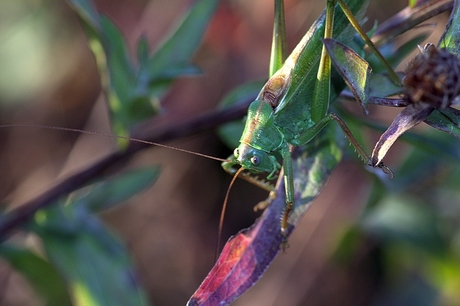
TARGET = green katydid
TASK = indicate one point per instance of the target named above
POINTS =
(283, 116)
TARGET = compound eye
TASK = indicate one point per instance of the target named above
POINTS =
(255, 160)
(236, 152)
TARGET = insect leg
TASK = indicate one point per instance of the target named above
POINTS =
(320, 103)
(361, 153)
(289, 187)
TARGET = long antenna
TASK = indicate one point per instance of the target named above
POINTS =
(222, 213)
(112, 136)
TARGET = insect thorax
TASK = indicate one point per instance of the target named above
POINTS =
(260, 132)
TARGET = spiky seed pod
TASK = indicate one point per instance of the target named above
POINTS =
(433, 77)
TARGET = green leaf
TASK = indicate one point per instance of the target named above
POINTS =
(40, 273)
(435, 144)
(116, 190)
(447, 120)
(133, 91)
(382, 86)
(117, 71)
(94, 263)
(120, 74)
(94, 198)
(313, 167)
(394, 56)
(434, 156)
(87, 12)
(179, 47)
(451, 37)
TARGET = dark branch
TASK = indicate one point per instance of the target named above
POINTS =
(160, 134)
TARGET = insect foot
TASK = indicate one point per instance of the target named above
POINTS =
(284, 226)
(382, 166)
(284, 245)
(432, 82)
(285, 241)
(265, 203)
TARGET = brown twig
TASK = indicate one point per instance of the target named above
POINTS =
(161, 134)
(408, 18)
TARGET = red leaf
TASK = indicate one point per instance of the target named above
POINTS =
(243, 260)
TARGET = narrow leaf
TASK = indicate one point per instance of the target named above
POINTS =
(116, 190)
(54, 290)
(408, 118)
(87, 11)
(117, 72)
(132, 90)
(450, 39)
(381, 86)
(183, 42)
(447, 120)
(94, 263)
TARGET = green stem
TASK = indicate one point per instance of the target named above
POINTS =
(346, 10)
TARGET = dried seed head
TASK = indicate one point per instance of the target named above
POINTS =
(432, 77)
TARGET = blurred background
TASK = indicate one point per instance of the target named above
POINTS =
(48, 76)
